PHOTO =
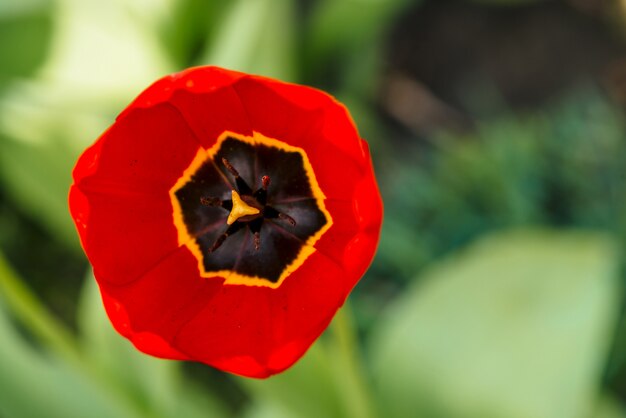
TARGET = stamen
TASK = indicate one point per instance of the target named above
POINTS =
(261, 194)
(229, 231)
(287, 218)
(246, 208)
(255, 228)
(270, 212)
(257, 241)
(230, 168)
(216, 202)
(241, 183)
(211, 201)
(218, 242)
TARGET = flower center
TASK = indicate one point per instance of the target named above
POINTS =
(235, 207)
(246, 208)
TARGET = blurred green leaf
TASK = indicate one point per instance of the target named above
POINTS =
(305, 390)
(42, 132)
(609, 407)
(517, 325)
(265, 409)
(505, 2)
(155, 386)
(105, 49)
(344, 40)
(256, 36)
(190, 27)
(560, 165)
(342, 25)
(39, 384)
(40, 183)
(12, 8)
(101, 56)
(25, 28)
(35, 386)
(400, 247)
(328, 381)
(25, 307)
(348, 367)
(144, 379)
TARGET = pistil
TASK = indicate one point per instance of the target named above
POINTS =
(240, 209)
(245, 208)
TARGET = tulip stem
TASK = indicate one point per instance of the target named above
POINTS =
(351, 373)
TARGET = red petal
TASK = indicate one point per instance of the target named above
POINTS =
(259, 331)
(338, 126)
(205, 98)
(165, 298)
(322, 130)
(210, 114)
(352, 239)
(197, 79)
(368, 212)
(120, 199)
(146, 342)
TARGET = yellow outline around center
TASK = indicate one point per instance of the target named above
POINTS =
(230, 276)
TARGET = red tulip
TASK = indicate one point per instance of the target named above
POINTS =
(227, 217)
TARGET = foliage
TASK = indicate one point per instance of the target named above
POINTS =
(458, 317)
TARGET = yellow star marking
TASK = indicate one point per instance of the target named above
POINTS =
(240, 208)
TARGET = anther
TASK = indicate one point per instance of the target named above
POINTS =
(211, 201)
(230, 168)
(245, 208)
(287, 218)
(257, 241)
(241, 183)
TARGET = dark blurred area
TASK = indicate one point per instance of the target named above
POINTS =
(525, 56)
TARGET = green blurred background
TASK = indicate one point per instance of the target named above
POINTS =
(498, 134)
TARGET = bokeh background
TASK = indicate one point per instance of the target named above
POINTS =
(498, 134)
